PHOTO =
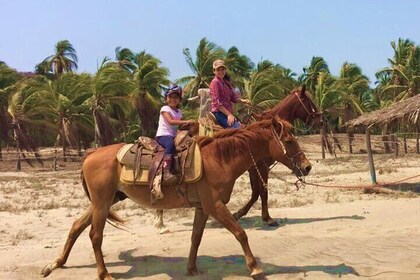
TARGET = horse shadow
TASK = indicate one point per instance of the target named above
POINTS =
(257, 223)
(216, 268)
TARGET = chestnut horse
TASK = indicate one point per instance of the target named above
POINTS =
(297, 105)
(231, 152)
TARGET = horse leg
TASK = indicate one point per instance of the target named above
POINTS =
(263, 192)
(159, 222)
(200, 219)
(78, 227)
(222, 214)
(100, 210)
(255, 182)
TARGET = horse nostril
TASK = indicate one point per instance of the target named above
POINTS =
(308, 168)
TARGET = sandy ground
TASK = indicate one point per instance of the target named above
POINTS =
(324, 233)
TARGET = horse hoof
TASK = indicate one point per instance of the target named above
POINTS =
(164, 231)
(259, 276)
(47, 270)
(193, 272)
(237, 216)
(272, 223)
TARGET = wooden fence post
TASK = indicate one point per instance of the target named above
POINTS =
(370, 157)
(18, 164)
(396, 146)
(55, 160)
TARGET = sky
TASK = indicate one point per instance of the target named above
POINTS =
(289, 32)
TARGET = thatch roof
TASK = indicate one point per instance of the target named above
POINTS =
(404, 114)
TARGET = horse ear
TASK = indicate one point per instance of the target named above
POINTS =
(277, 122)
(302, 92)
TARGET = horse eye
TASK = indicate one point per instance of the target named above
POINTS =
(289, 142)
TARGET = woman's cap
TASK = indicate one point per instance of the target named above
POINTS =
(174, 89)
(219, 63)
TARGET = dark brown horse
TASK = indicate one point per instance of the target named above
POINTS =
(297, 105)
(231, 152)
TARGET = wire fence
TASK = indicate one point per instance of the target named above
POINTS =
(56, 158)
(43, 158)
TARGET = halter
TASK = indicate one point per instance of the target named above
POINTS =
(279, 143)
(311, 113)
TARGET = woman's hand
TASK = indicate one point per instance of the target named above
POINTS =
(230, 120)
(246, 101)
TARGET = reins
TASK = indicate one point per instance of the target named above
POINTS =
(277, 138)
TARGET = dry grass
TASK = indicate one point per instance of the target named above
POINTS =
(20, 236)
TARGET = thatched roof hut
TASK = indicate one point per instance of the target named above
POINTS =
(404, 115)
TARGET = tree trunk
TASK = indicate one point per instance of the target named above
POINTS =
(350, 137)
(405, 144)
(324, 138)
(386, 139)
(395, 142)
(96, 129)
(63, 140)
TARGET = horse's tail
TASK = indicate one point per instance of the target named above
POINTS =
(88, 152)
(84, 184)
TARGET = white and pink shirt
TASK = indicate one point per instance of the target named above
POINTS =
(164, 128)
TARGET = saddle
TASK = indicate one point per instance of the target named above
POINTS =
(142, 162)
(208, 125)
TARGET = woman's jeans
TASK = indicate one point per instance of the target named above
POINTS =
(222, 120)
(168, 143)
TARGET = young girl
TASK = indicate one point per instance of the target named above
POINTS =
(169, 120)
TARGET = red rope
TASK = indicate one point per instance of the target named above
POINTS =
(377, 186)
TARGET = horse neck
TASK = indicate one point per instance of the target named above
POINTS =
(257, 150)
(286, 109)
(241, 160)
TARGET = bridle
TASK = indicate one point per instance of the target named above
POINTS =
(312, 113)
(279, 142)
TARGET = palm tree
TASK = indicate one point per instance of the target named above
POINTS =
(327, 99)
(354, 91)
(404, 70)
(28, 111)
(353, 85)
(8, 81)
(311, 73)
(109, 101)
(202, 67)
(64, 110)
(150, 79)
(64, 59)
(267, 85)
(124, 59)
(240, 67)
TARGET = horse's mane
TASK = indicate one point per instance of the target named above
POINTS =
(233, 142)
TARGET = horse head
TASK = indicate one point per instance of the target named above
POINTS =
(285, 148)
(307, 111)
